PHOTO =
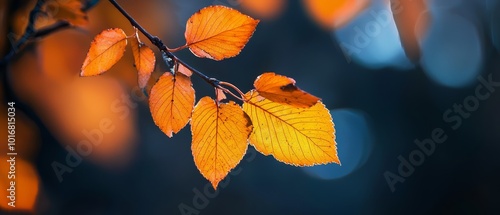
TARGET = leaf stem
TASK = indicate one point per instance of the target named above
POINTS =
(177, 49)
(162, 47)
(242, 95)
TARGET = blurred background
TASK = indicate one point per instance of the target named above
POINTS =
(391, 72)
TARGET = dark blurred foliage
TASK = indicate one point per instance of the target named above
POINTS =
(381, 103)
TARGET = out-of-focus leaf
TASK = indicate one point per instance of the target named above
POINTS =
(332, 14)
(69, 10)
(264, 8)
(412, 19)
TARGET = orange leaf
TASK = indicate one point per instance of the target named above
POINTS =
(171, 102)
(105, 50)
(297, 136)
(220, 134)
(282, 89)
(71, 11)
(144, 59)
(218, 32)
(412, 19)
(332, 14)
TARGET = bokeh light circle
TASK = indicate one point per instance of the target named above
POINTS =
(452, 51)
(372, 39)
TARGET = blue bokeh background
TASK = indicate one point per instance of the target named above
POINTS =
(381, 104)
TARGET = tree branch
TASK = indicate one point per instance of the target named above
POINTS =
(162, 47)
(31, 33)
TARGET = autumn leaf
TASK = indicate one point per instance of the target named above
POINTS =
(297, 136)
(105, 50)
(282, 89)
(71, 11)
(220, 135)
(332, 14)
(218, 32)
(171, 102)
(144, 59)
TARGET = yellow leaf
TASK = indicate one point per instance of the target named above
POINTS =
(297, 136)
(144, 59)
(218, 32)
(220, 134)
(332, 14)
(71, 11)
(105, 50)
(171, 102)
(282, 89)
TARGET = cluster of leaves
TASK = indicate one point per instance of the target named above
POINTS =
(276, 117)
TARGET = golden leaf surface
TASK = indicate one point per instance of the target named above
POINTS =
(297, 136)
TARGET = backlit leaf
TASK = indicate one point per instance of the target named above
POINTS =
(218, 32)
(332, 14)
(69, 10)
(144, 59)
(171, 102)
(105, 50)
(220, 134)
(282, 89)
(297, 136)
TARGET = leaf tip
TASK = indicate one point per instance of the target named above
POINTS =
(215, 183)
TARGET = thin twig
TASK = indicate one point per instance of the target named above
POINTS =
(161, 46)
(177, 49)
(31, 33)
(28, 32)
